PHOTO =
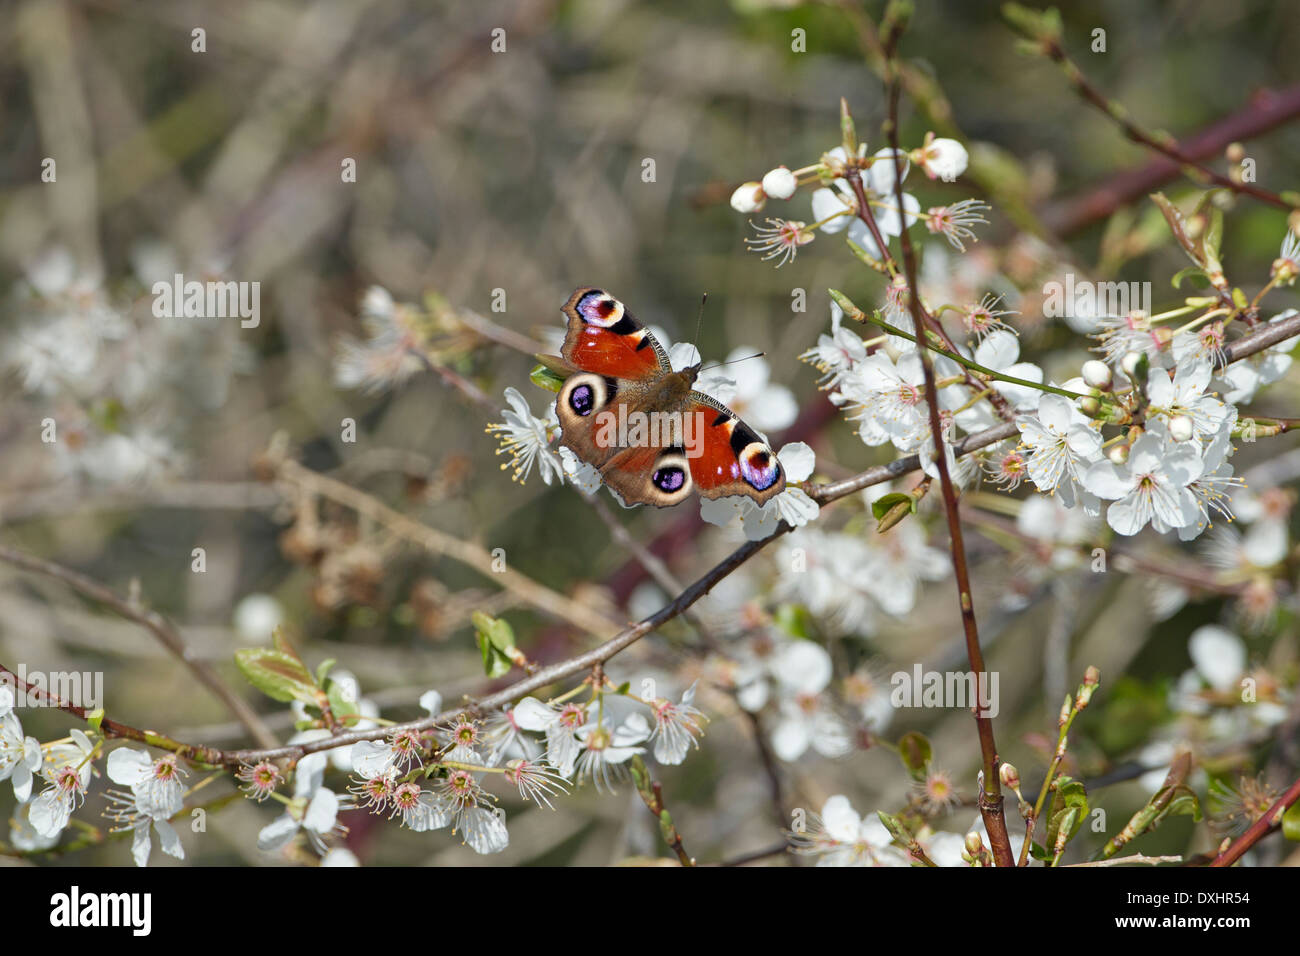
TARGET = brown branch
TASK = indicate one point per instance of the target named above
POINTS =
(205, 756)
(1166, 145)
(1265, 336)
(990, 796)
(1260, 828)
(1267, 110)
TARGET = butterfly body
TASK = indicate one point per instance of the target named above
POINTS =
(642, 425)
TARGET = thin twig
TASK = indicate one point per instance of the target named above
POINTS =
(1122, 860)
(439, 542)
(1260, 828)
(990, 790)
(1165, 145)
(1267, 110)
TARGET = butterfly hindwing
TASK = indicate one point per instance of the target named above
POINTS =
(732, 458)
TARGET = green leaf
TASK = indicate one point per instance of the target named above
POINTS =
(1040, 852)
(281, 642)
(1291, 822)
(887, 502)
(1183, 803)
(892, 508)
(323, 669)
(1212, 238)
(496, 630)
(1068, 810)
(848, 134)
(496, 642)
(495, 663)
(666, 828)
(277, 674)
(915, 751)
(1191, 272)
(1038, 24)
(624, 687)
(344, 706)
(95, 718)
(546, 378)
(641, 780)
(1062, 827)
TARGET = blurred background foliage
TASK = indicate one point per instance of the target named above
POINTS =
(521, 171)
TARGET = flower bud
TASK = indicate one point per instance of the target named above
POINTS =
(974, 843)
(1009, 776)
(1181, 428)
(1097, 374)
(748, 197)
(1284, 271)
(1091, 678)
(780, 183)
(943, 158)
(1090, 406)
(1118, 453)
(1132, 362)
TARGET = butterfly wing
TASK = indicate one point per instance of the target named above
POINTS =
(729, 457)
(618, 361)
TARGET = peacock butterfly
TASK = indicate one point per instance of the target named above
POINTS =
(652, 437)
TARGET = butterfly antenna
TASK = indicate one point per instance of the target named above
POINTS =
(743, 358)
(700, 320)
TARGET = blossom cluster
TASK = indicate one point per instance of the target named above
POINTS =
(428, 778)
(110, 378)
(843, 183)
(433, 778)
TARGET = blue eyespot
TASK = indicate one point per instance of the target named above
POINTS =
(759, 467)
(582, 400)
(669, 479)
